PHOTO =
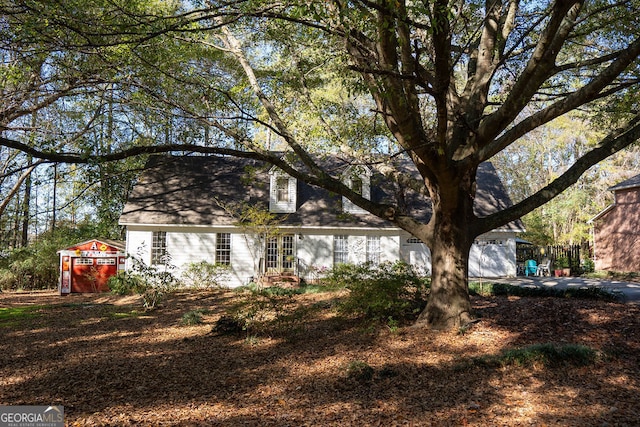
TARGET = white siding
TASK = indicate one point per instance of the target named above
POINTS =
(139, 245)
(246, 252)
(416, 254)
(186, 248)
(494, 256)
(389, 248)
(315, 255)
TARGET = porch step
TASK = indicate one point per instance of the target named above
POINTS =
(284, 278)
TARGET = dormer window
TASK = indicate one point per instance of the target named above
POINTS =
(282, 189)
(356, 184)
(283, 192)
(358, 179)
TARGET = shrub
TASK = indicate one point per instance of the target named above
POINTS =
(203, 274)
(228, 325)
(588, 266)
(193, 317)
(124, 283)
(360, 371)
(262, 310)
(591, 292)
(35, 267)
(383, 292)
(546, 354)
(149, 281)
(7, 280)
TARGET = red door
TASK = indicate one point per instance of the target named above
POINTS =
(105, 268)
(92, 274)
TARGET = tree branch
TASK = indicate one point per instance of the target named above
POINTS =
(617, 140)
(539, 68)
(584, 95)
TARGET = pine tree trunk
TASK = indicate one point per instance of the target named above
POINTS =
(26, 203)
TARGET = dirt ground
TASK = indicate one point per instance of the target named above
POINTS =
(108, 362)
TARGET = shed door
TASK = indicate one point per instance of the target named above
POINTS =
(91, 274)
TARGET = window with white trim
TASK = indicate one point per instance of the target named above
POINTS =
(283, 188)
(158, 247)
(223, 248)
(358, 179)
(84, 261)
(373, 250)
(106, 261)
(340, 249)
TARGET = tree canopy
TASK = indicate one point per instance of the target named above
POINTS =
(448, 84)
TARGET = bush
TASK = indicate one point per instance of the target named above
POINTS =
(124, 283)
(262, 310)
(228, 325)
(193, 317)
(149, 281)
(494, 289)
(383, 292)
(7, 280)
(588, 266)
(203, 275)
(360, 371)
(546, 354)
(35, 267)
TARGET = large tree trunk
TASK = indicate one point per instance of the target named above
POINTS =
(449, 305)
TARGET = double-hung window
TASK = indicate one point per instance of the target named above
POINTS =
(358, 179)
(282, 189)
(159, 247)
(223, 248)
(373, 249)
(340, 249)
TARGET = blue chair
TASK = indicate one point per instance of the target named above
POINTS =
(530, 267)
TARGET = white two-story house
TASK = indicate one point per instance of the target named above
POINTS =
(191, 208)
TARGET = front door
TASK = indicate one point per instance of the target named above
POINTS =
(280, 254)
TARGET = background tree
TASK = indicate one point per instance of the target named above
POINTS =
(447, 84)
(539, 157)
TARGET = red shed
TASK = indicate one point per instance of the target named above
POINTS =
(86, 267)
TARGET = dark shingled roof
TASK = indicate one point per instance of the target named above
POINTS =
(185, 190)
(629, 183)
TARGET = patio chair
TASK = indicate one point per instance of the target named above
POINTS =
(544, 269)
(530, 267)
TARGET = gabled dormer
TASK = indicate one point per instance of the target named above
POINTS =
(282, 192)
(358, 179)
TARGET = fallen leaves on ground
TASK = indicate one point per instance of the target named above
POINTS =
(108, 362)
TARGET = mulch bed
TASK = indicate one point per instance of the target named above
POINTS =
(108, 362)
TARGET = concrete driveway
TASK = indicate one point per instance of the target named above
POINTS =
(630, 290)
